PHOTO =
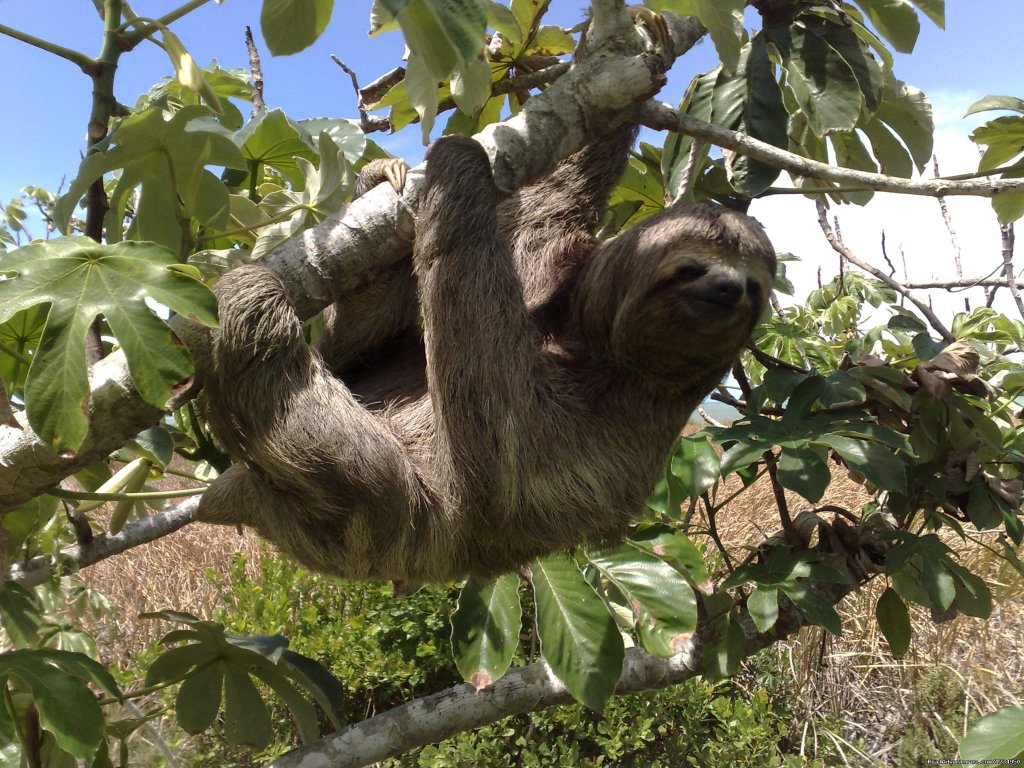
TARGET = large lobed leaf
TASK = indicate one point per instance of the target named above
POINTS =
(81, 279)
(168, 161)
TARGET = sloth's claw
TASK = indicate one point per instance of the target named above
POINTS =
(653, 25)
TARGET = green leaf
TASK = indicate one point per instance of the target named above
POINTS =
(988, 103)
(66, 706)
(323, 191)
(825, 87)
(198, 699)
(764, 117)
(485, 629)
(21, 613)
(290, 26)
(895, 20)
(723, 20)
(551, 41)
(663, 604)
(81, 279)
(443, 32)
(21, 333)
(996, 737)
(501, 19)
(273, 139)
(894, 621)
(742, 455)
(934, 10)
(725, 648)
(578, 636)
(672, 546)
(763, 607)
(168, 160)
(155, 444)
(814, 607)
(421, 88)
(246, 718)
(906, 110)
(877, 464)
(803, 470)
(326, 689)
(696, 464)
(471, 85)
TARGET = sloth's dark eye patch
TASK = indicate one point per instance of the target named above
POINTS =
(754, 289)
(685, 274)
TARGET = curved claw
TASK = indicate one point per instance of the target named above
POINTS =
(390, 169)
(653, 24)
(394, 172)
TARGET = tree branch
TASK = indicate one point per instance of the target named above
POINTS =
(102, 546)
(850, 256)
(662, 117)
(523, 689)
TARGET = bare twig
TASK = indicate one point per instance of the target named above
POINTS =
(368, 123)
(890, 281)
(1006, 232)
(708, 417)
(949, 224)
(258, 104)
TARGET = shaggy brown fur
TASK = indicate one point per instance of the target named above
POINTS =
(534, 411)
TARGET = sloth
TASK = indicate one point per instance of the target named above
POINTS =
(510, 392)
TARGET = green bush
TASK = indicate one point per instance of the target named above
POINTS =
(387, 650)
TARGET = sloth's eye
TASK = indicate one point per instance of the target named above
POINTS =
(753, 289)
(688, 273)
(685, 274)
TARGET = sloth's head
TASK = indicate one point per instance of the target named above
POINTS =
(683, 288)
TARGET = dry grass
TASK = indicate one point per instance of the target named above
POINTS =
(852, 697)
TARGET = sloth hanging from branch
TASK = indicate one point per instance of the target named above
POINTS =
(530, 411)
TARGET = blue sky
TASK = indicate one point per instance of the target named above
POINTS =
(46, 100)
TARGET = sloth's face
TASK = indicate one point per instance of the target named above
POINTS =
(681, 289)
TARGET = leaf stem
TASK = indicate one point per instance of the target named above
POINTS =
(61, 493)
(84, 62)
(141, 34)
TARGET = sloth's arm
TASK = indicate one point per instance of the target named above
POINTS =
(484, 367)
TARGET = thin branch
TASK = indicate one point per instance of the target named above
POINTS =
(258, 104)
(949, 223)
(103, 545)
(959, 285)
(662, 117)
(890, 281)
(770, 361)
(368, 123)
(1007, 236)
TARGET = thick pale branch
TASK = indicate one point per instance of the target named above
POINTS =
(664, 118)
(28, 466)
(524, 689)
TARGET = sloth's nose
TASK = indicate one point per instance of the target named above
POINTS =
(722, 289)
